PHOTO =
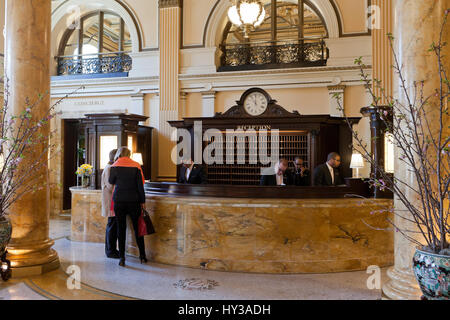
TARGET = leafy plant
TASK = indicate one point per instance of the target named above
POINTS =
(423, 146)
(25, 148)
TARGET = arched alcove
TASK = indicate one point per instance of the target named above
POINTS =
(65, 15)
(218, 20)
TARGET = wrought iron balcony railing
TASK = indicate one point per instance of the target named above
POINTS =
(102, 63)
(270, 55)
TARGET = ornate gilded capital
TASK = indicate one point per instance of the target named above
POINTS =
(170, 3)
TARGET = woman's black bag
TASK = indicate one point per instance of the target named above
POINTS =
(145, 224)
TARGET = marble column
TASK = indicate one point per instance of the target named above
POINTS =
(417, 25)
(169, 88)
(27, 60)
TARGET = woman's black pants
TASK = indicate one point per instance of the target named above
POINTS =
(121, 210)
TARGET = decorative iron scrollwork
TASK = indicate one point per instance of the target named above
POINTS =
(108, 63)
(279, 54)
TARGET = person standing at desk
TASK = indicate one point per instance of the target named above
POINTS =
(191, 173)
(280, 176)
(111, 227)
(328, 174)
(300, 175)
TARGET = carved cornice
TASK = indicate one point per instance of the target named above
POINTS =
(170, 3)
(340, 88)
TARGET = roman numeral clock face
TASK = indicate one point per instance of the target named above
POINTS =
(255, 103)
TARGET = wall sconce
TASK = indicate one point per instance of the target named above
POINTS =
(5, 267)
(137, 157)
(357, 163)
(389, 153)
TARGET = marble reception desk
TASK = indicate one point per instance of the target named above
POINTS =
(259, 234)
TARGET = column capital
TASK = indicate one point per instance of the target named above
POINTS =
(209, 94)
(170, 3)
(337, 88)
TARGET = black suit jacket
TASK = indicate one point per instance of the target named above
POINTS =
(197, 175)
(271, 180)
(298, 180)
(322, 176)
(128, 186)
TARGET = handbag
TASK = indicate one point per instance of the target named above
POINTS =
(145, 224)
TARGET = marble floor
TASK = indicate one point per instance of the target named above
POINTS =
(103, 279)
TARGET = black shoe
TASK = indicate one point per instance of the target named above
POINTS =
(143, 259)
(114, 255)
(122, 262)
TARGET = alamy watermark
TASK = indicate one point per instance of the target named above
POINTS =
(74, 280)
(221, 146)
(374, 280)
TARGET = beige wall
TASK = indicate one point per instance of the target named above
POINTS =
(146, 11)
(195, 16)
(304, 100)
(193, 105)
(353, 14)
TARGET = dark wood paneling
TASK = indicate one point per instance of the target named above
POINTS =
(144, 146)
(71, 129)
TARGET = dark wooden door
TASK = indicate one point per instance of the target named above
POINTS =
(71, 154)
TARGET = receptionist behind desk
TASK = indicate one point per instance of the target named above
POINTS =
(280, 176)
(191, 173)
(328, 174)
(300, 175)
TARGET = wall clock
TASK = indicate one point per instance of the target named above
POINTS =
(255, 103)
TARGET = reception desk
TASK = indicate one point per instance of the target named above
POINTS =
(254, 229)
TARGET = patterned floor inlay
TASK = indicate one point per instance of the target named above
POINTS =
(53, 286)
(196, 284)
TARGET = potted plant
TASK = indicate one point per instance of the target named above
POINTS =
(20, 136)
(423, 147)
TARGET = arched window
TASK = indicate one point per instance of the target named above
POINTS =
(98, 44)
(286, 38)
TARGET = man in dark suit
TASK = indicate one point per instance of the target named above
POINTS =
(327, 174)
(280, 177)
(191, 173)
(300, 176)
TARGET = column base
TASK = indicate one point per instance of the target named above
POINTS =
(402, 286)
(30, 259)
(31, 271)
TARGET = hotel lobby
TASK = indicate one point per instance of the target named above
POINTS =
(277, 142)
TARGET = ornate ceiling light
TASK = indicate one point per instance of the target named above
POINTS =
(247, 14)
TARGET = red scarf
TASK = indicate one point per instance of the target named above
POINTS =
(126, 162)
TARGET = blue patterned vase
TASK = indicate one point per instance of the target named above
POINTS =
(5, 233)
(432, 271)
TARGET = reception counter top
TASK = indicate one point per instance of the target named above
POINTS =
(257, 192)
(231, 231)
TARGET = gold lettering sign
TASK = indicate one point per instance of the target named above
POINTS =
(89, 103)
(255, 127)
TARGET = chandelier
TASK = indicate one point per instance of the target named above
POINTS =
(247, 14)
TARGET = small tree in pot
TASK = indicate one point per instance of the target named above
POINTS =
(423, 147)
(20, 136)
